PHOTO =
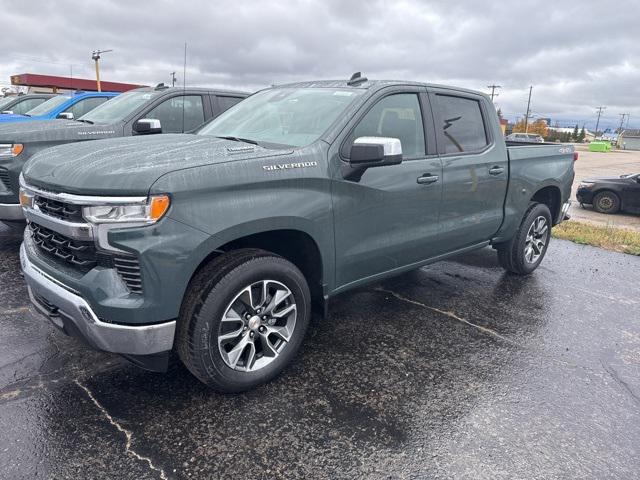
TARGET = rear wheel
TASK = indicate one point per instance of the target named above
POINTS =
(525, 251)
(606, 202)
(243, 320)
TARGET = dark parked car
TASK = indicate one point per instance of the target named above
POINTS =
(611, 194)
(21, 104)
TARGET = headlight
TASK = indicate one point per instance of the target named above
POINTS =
(11, 149)
(587, 184)
(148, 213)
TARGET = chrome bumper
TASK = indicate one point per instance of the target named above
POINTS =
(60, 305)
(11, 211)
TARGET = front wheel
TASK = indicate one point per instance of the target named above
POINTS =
(606, 202)
(243, 320)
(525, 251)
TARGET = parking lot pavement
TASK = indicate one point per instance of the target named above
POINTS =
(596, 164)
(454, 370)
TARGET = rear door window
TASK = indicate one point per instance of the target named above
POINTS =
(85, 106)
(26, 105)
(179, 114)
(460, 122)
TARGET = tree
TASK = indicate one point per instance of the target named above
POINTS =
(582, 135)
(538, 127)
(575, 133)
(499, 113)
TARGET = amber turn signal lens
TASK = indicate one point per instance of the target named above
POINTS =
(25, 198)
(16, 149)
(158, 206)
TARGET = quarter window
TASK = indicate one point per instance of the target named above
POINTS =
(176, 110)
(461, 124)
(396, 116)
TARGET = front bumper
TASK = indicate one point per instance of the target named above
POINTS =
(68, 311)
(11, 211)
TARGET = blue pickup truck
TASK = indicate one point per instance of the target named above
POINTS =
(67, 106)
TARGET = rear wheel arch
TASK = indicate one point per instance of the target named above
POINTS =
(552, 198)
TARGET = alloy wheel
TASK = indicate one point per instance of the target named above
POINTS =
(257, 325)
(537, 238)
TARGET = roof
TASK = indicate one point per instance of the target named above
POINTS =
(68, 83)
(371, 84)
(630, 133)
(196, 89)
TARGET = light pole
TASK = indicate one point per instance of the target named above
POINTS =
(526, 117)
(95, 56)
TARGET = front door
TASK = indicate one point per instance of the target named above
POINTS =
(388, 218)
(475, 169)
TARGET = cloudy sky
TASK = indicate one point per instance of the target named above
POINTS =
(577, 55)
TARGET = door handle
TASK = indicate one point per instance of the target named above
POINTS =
(496, 170)
(428, 179)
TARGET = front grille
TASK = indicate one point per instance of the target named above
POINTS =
(4, 178)
(56, 209)
(129, 270)
(82, 255)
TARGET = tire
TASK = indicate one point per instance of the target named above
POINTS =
(606, 202)
(230, 334)
(525, 251)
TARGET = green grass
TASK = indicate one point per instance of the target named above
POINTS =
(608, 237)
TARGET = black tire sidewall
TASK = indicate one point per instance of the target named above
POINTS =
(614, 197)
(534, 212)
(205, 332)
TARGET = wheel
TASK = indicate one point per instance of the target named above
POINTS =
(606, 202)
(243, 319)
(524, 252)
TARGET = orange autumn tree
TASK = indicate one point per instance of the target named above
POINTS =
(538, 127)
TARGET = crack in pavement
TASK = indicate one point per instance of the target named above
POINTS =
(625, 386)
(451, 315)
(127, 433)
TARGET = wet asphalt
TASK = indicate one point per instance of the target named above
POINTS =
(456, 370)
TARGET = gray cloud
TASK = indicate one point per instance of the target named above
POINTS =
(577, 55)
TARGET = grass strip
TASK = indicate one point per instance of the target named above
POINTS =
(607, 237)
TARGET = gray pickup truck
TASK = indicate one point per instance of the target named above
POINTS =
(142, 111)
(217, 244)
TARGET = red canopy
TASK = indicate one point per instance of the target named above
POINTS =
(67, 83)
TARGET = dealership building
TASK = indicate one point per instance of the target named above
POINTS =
(36, 83)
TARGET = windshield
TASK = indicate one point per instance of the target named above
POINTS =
(630, 175)
(120, 107)
(284, 116)
(6, 101)
(46, 107)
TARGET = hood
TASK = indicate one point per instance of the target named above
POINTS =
(607, 180)
(55, 131)
(13, 117)
(131, 165)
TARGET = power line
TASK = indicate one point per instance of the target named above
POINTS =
(493, 89)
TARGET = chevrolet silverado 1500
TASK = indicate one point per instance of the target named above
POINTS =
(217, 244)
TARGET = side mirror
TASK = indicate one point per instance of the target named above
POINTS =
(66, 115)
(146, 126)
(7, 112)
(367, 152)
(375, 152)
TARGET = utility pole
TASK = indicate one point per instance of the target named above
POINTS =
(622, 115)
(173, 79)
(600, 110)
(95, 56)
(493, 89)
(526, 117)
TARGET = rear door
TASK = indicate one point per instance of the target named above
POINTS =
(475, 168)
(388, 218)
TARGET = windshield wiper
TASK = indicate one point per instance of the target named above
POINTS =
(84, 121)
(238, 139)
